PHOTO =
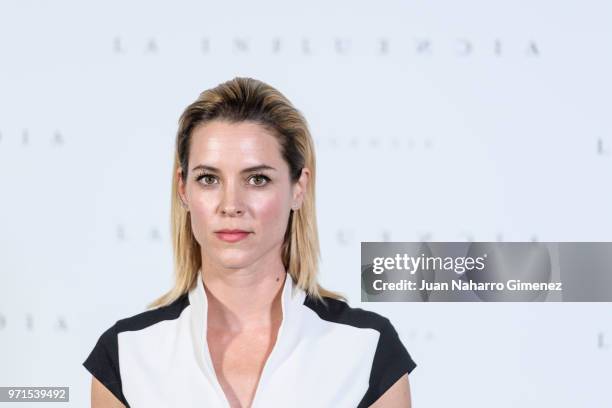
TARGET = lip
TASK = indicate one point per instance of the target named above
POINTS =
(232, 235)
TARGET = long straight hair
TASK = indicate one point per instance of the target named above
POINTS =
(237, 100)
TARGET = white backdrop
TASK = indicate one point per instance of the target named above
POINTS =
(439, 120)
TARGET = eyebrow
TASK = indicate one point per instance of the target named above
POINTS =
(247, 170)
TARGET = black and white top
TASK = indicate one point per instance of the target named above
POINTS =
(334, 356)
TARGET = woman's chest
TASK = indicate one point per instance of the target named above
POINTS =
(171, 374)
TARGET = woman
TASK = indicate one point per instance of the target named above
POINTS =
(246, 323)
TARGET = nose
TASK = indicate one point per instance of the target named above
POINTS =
(231, 200)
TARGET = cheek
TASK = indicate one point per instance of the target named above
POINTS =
(202, 216)
(270, 212)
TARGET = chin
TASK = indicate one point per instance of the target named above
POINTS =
(234, 259)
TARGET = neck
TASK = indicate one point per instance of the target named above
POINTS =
(244, 300)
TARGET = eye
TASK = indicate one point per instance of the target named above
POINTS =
(261, 177)
(205, 176)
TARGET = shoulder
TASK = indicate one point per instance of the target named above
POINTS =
(338, 311)
(391, 360)
(103, 360)
(152, 316)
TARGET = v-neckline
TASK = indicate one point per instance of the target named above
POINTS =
(291, 297)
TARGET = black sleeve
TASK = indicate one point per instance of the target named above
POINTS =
(103, 363)
(391, 362)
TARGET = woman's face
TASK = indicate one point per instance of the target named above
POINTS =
(226, 189)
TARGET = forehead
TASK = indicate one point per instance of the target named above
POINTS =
(242, 142)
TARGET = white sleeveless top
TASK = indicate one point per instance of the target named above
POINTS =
(325, 356)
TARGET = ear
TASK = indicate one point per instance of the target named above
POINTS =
(181, 185)
(300, 188)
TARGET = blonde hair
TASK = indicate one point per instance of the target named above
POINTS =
(237, 100)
